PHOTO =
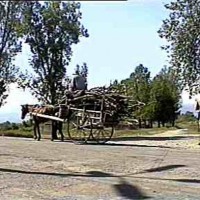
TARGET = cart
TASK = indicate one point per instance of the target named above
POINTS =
(88, 121)
(92, 117)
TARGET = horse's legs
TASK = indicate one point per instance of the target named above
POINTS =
(57, 126)
(54, 130)
(60, 126)
(34, 131)
(38, 130)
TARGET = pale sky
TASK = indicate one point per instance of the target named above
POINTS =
(122, 36)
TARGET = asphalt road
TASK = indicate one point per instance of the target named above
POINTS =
(119, 170)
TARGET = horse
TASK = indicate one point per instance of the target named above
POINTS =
(47, 110)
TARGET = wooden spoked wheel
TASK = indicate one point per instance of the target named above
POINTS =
(79, 127)
(101, 134)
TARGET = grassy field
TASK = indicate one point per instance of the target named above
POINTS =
(182, 123)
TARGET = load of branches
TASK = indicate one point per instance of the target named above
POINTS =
(104, 99)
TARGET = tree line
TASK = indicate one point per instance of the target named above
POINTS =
(161, 95)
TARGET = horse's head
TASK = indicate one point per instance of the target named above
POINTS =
(24, 110)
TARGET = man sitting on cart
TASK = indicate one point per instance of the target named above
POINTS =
(78, 82)
(76, 88)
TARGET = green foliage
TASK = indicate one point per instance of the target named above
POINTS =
(16, 133)
(165, 97)
(3, 89)
(187, 118)
(182, 32)
(10, 45)
(138, 83)
(16, 129)
(140, 87)
(9, 126)
(160, 95)
(137, 86)
(50, 29)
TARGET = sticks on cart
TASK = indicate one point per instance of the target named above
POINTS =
(106, 100)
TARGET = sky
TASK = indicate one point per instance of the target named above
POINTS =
(123, 35)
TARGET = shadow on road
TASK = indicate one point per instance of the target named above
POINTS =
(98, 174)
(155, 138)
(128, 145)
(87, 174)
(163, 168)
(156, 169)
(91, 173)
(166, 179)
(124, 189)
(187, 180)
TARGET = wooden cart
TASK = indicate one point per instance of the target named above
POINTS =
(91, 117)
(88, 121)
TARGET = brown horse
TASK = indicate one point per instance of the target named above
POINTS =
(47, 110)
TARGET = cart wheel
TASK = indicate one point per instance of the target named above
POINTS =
(102, 134)
(79, 127)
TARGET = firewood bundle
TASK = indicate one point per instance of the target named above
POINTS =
(107, 100)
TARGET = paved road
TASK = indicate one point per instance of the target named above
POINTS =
(62, 170)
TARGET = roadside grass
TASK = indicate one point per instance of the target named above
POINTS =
(27, 132)
(46, 132)
(190, 125)
(16, 133)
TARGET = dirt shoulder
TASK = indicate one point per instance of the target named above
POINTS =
(180, 138)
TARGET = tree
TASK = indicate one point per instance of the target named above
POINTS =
(165, 97)
(50, 29)
(182, 32)
(3, 89)
(136, 86)
(120, 87)
(10, 44)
